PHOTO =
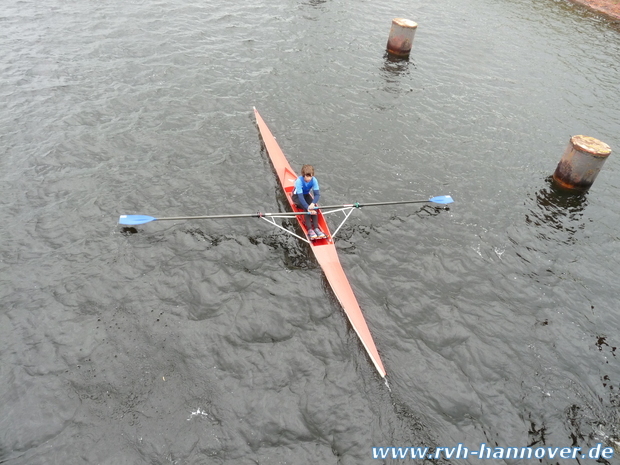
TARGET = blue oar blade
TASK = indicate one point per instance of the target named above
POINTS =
(442, 199)
(135, 219)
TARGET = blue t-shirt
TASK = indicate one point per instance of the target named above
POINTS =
(303, 188)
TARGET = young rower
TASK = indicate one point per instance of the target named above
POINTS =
(306, 196)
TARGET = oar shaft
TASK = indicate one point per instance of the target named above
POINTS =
(207, 217)
(134, 220)
(373, 204)
(240, 215)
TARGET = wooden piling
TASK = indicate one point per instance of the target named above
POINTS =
(582, 160)
(400, 41)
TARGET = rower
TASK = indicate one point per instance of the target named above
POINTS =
(306, 196)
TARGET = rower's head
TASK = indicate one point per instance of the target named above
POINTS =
(307, 171)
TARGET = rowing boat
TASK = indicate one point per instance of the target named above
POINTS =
(324, 249)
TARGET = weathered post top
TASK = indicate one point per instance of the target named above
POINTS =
(591, 145)
(402, 22)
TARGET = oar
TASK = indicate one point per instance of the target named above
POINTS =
(442, 199)
(141, 219)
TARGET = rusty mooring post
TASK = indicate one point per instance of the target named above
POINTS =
(582, 160)
(401, 37)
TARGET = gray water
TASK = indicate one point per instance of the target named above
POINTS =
(219, 342)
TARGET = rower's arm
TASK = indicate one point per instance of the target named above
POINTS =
(317, 196)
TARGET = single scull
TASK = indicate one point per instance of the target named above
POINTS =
(324, 249)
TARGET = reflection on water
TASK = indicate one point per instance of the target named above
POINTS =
(394, 69)
(558, 209)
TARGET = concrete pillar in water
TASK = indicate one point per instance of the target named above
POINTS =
(582, 160)
(401, 37)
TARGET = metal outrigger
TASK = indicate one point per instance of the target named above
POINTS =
(271, 220)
